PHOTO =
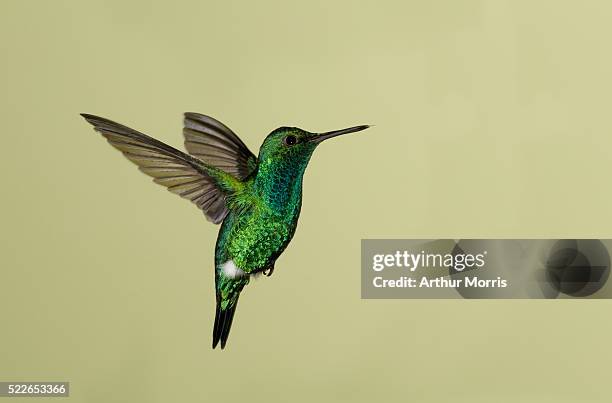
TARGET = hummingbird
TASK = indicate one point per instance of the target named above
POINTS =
(257, 200)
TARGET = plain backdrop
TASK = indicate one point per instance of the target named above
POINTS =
(492, 119)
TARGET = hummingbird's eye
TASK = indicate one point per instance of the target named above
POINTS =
(290, 140)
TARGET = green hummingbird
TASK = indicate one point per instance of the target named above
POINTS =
(257, 200)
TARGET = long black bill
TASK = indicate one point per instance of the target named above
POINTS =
(324, 136)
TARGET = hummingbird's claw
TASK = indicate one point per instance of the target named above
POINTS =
(268, 271)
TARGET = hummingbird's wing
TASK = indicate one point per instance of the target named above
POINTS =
(190, 178)
(216, 144)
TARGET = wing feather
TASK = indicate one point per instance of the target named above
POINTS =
(181, 173)
(216, 144)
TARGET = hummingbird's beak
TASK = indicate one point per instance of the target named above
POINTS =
(324, 136)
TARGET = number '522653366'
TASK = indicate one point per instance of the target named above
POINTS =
(35, 388)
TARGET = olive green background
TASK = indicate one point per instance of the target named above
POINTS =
(492, 120)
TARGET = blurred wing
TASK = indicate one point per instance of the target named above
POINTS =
(179, 172)
(214, 143)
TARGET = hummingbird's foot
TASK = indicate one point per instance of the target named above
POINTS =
(268, 271)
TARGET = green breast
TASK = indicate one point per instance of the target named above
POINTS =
(262, 218)
(254, 240)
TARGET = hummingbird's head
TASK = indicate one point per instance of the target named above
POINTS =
(295, 145)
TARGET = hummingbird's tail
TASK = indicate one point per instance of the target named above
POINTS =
(223, 323)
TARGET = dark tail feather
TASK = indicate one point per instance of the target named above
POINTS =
(223, 323)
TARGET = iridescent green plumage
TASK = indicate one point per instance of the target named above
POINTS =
(258, 200)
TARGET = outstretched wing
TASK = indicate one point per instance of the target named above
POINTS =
(216, 144)
(190, 178)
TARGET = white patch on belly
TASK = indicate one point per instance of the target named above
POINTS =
(230, 270)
